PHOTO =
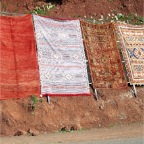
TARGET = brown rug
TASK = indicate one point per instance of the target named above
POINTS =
(103, 56)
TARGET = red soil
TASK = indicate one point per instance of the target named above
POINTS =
(114, 106)
(77, 8)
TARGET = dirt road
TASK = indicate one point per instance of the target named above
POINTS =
(118, 134)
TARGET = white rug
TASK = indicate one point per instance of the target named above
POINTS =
(61, 57)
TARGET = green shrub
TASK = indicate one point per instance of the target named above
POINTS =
(131, 19)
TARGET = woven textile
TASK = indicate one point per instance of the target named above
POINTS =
(103, 56)
(19, 75)
(132, 44)
(61, 57)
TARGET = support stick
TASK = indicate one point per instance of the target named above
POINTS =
(48, 99)
(96, 94)
(135, 92)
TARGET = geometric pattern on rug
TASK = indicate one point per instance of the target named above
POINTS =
(103, 56)
(132, 45)
(61, 57)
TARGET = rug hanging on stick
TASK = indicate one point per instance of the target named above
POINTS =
(19, 75)
(61, 57)
(132, 45)
(103, 56)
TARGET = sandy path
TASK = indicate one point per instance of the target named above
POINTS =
(84, 136)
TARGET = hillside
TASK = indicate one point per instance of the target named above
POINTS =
(76, 8)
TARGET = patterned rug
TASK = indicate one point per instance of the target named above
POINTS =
(61, 57)
(132, 45)
(103, 56)
(19, 75)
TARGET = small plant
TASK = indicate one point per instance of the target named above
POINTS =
(63, 129)
(33, 103)
(43, 9)
(34, 99)
(131, 19)
(16, 10)
(3, 7)
(39, 10)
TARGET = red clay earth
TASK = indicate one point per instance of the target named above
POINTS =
(77, 8)
(72, 113)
